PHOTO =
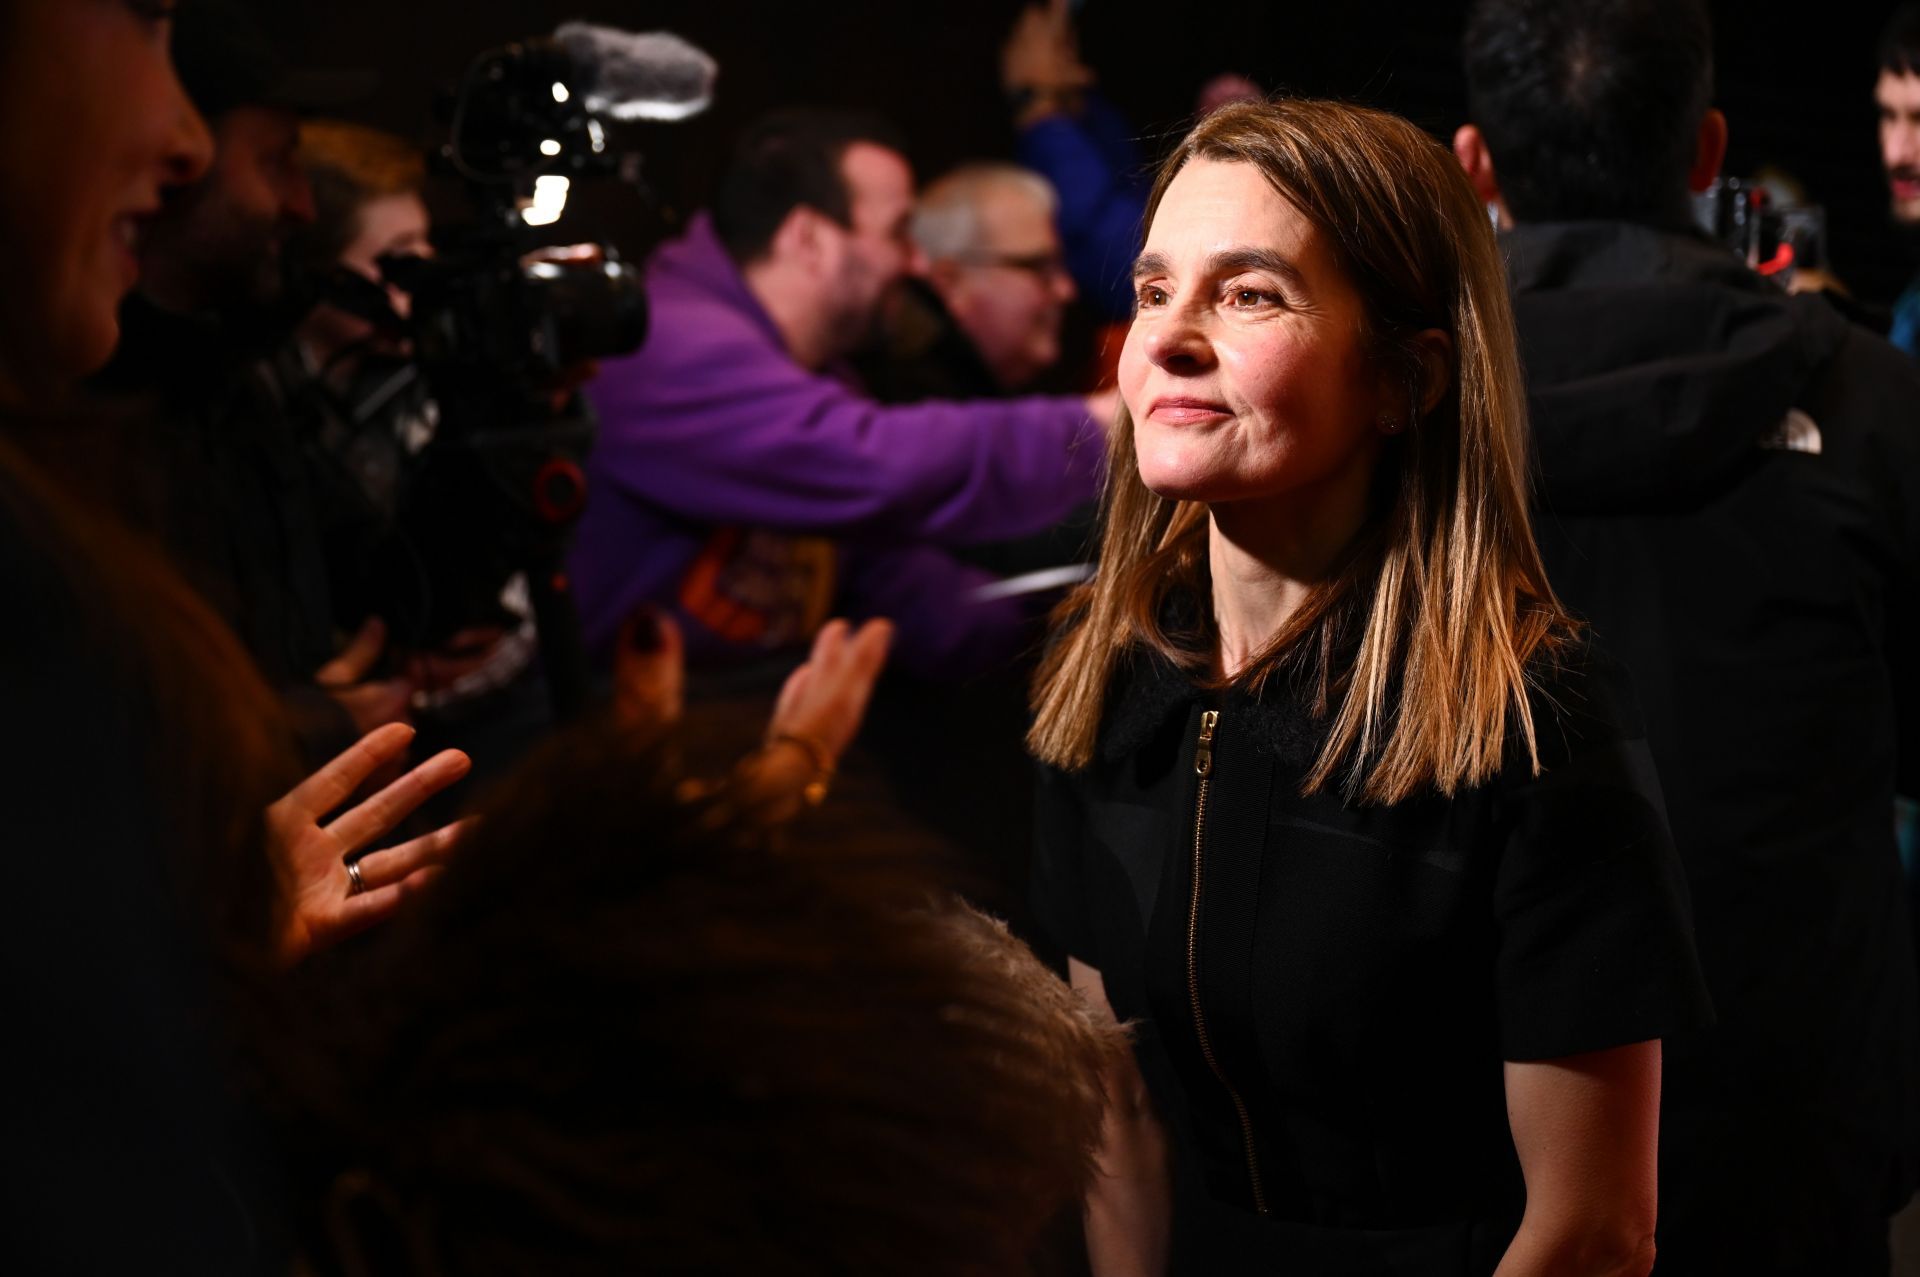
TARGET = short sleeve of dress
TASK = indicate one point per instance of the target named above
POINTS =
(1594, 925)
(1059, 886)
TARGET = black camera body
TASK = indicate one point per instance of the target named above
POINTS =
(499, 332)
(521, 125)
(1774, 237)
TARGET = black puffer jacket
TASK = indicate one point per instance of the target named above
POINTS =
(1730, 492)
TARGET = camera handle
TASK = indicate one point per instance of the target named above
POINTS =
(563, 651)
(559, 495)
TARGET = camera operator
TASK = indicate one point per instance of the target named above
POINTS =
(219, 471)
(369, 202)
(365, 409)
(356, 398)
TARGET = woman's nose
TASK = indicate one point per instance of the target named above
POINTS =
(1177, 338)
(187, 150)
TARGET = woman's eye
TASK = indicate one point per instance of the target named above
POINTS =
(1250, 299)
(1150, 295)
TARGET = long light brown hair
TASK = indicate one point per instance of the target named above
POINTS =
(1416, 654)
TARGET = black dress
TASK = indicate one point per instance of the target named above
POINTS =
(1323, 993)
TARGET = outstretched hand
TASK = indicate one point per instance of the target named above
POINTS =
(825, 699)
(319, 903)
(1042, 52)
(649, 672)
(371, 703)
(816, 718)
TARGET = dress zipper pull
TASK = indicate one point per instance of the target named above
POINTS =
(1203, 756)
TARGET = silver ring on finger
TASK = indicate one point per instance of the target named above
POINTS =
(355, 883)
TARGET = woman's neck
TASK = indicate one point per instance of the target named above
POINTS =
(1267, 556)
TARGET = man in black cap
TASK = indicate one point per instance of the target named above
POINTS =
(220, 246)
(213, 465)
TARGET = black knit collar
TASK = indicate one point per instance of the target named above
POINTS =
(1151, 695)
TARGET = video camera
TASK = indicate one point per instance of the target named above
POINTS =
(497, 329)
(1774, 236)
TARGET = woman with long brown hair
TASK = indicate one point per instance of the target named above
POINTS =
(1341, 808)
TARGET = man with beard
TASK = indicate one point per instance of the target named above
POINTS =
(743, 482)
(1897, 95)
(1729, 483)
(208, 459)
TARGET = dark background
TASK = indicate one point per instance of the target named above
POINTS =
(1795, 80)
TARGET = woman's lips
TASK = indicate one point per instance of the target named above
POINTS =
(128, 232)
(1187, 412)
(126, 248)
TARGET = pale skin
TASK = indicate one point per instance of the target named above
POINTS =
(89, 189)
(1010, 312)
(389, 225)
(1896, 97)
(309, 846)
(1251, 391)
(368, 701)
(1042, 56)
(821, 282)
(1129, 1210)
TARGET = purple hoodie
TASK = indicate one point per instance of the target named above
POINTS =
(754, 499)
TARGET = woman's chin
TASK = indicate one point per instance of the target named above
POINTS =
(91, 347)
(1201, 493)
(1177, 482)
(1182, 464)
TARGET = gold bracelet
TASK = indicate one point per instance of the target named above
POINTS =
(815, 791)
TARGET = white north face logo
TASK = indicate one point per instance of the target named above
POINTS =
(1795, 433)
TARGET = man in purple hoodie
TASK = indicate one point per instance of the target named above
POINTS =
(744, 484)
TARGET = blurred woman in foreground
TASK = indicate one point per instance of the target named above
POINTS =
(152, 836)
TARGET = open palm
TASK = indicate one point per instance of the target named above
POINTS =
(319, 903)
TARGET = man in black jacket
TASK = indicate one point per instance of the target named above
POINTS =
(1729, 488)
(209, 460)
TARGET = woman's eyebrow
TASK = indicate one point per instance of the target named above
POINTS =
(1234, 260)
(1227, 262)
(1149, 264)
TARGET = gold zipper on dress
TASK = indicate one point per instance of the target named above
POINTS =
(1203, 767)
